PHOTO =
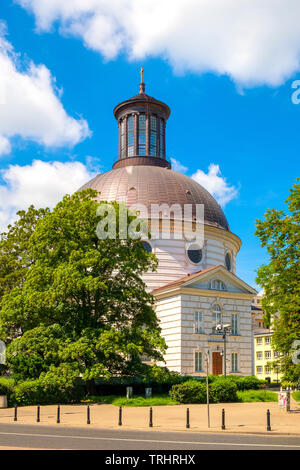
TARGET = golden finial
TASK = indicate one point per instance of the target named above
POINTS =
(142, 84)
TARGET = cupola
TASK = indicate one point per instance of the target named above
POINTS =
(142, 130)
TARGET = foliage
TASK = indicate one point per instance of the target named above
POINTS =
(6, 386)
(191, 391)
(296, 396)
(15, 257)
(280, 279)
(161, 375)
(59, 385)
(156, 400)
(246, 396)
(223, 391)
(250, 382)
(81, 300)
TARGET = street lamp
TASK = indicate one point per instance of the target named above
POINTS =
(225, 330)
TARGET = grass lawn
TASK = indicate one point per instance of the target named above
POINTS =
(160, 400)
(156, 400)
(247, 396)
(296, 395)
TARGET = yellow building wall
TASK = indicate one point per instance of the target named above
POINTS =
(263, 356)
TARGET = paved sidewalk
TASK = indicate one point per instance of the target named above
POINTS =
(240, 417)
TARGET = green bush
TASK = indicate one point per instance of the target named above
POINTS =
(249, 382)
(191, 391)
(59, 385)
(7, 387)
(29, 392)
(223, 391)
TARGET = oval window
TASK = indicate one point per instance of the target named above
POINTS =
(147, 246)
(194, 253)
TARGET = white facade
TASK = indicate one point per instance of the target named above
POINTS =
(179, 307)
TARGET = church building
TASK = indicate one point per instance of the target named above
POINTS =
(203, 307)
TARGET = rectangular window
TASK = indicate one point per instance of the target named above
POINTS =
(153, 132)
(259, 355)
(130, 136)
(198, 361)
(267, 354)
(234, 323)
(142, 134)
(267, 370)
(161, 138)
(258, 340)
(267, 340)
(234, 362)
(259, 370)
(123, 139)
(198, 326)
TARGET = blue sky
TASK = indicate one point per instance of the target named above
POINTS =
(239, 117)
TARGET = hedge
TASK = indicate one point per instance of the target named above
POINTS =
(221, 389)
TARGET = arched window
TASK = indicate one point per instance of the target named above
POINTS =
(153, 135)
(217, 285)
(228, 261)
(217, 316)
(130, 130)
(142, 134)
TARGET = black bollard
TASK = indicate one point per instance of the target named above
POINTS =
(223, 418)
(58, 414)
(38, 414)
(187, 418)
(120, 416)
(88, 421)
(16, 413)
(268, 420)
(151, 418)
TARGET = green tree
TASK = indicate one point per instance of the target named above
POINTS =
(82, 302)
(280, 278)
(14, 255)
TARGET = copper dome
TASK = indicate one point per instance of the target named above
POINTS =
(145, 184)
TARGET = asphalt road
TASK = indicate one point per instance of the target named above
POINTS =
(59, 437)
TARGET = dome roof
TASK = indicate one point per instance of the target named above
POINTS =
(148, 185)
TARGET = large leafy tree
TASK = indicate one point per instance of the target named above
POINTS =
(280, 278)
(82, 302)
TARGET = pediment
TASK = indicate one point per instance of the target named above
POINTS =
(231, 282)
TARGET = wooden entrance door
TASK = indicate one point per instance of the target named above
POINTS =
(217, 363)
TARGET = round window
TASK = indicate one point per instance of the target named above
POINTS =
(194, 253)
(228, 261)
(147, 246)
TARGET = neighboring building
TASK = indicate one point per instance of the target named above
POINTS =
(264, 356)
(195, 286)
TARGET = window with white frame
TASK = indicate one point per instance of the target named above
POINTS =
(234, 323)
(267, 354)
(258, 340)
(259, 370)
(217, 284)
(234, 362)
(259, 355)
(267, 370)
(267, 340)
(198, 324)
(217, 316)
(198, 361)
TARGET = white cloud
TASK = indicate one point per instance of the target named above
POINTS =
(30, 106)
(177, 166)
(216, 184)
(42, 184)
(252, 41)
